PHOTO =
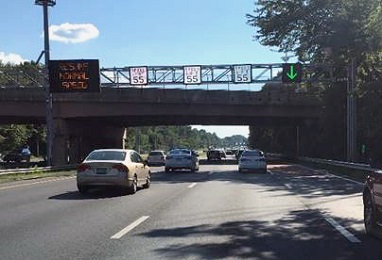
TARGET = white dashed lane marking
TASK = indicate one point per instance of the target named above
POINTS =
(129, 228)
(192, 185)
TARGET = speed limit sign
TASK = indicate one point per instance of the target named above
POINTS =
(138, 76)
(192, 75)
(242, 74)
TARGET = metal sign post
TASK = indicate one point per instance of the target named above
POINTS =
(48, 95)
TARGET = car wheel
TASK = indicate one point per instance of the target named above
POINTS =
(82, 189)
(240, 170)
(148, 182)
(167, 169)
(192, 169)
(133, 187)
(369, 215)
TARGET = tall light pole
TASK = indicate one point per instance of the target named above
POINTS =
(48, 96)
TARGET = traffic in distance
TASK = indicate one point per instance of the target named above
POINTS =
(126, 170)
(241, 185)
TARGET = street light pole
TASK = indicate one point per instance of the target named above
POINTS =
(48, 95)
(351, 113)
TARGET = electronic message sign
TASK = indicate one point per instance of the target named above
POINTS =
(292, 72)
(74, 76)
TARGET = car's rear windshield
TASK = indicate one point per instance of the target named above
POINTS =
(106, 156)
(155, 153)
(180, 151)
(252, 153)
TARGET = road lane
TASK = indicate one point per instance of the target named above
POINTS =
(53, 221)
(223, 215)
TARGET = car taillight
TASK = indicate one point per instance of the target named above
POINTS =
(121, 168)
(83, 167)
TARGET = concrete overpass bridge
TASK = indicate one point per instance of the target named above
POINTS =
(84, 121)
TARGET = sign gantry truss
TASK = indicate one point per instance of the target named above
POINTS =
(176, 75)
(208, 74)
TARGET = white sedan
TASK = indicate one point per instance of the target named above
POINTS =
(252, 160)
(113, 167)
(182, 159)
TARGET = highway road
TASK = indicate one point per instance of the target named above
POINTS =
(291, 212)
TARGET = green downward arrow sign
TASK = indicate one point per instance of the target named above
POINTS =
(292, 74)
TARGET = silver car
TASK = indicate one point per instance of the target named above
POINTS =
(113, 167)
(156, 157)
(182, 159)
(252, 160)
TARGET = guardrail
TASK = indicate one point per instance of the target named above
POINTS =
(358, 171)
(38, 169)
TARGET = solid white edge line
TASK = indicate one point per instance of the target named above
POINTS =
(342, 230)
(129, 228)
(192, 185)
(331, 174)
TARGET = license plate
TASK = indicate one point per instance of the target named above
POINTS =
(101, 170)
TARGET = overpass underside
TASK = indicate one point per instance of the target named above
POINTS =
(86, 121)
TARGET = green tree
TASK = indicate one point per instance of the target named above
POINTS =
(329, 31)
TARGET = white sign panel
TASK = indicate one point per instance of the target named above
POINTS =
(138, 76)
(242, 74)
(192, 75)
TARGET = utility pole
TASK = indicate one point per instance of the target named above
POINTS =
(351, 119)
(48, 95)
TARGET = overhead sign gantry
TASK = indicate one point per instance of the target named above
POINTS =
(215, 74)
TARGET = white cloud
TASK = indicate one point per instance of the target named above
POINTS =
(73, 33)
(11, 58)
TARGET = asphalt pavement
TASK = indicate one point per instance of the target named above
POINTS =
(291, 212)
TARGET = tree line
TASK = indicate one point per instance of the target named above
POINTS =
(336, 32)
(143, 139)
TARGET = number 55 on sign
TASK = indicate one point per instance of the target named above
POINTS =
(138, 76)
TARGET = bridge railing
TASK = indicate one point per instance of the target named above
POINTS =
(21, 76)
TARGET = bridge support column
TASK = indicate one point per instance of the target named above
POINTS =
(60, 150)
(101, 137)
(73, 141)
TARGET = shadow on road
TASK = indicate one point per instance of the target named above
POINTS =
(309, 183)
(95, 193)
(298, 235)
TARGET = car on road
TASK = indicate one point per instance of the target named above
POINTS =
(156, 157)
(182, 159)
(372, 202)
(252, 160)
(216, 154)
(18, 155)
(238, 154)
(122, 168)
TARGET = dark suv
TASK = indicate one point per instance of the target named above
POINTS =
(16, 156)
(372, 203)
(215, 155)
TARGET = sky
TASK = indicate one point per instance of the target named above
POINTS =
(123, 33)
